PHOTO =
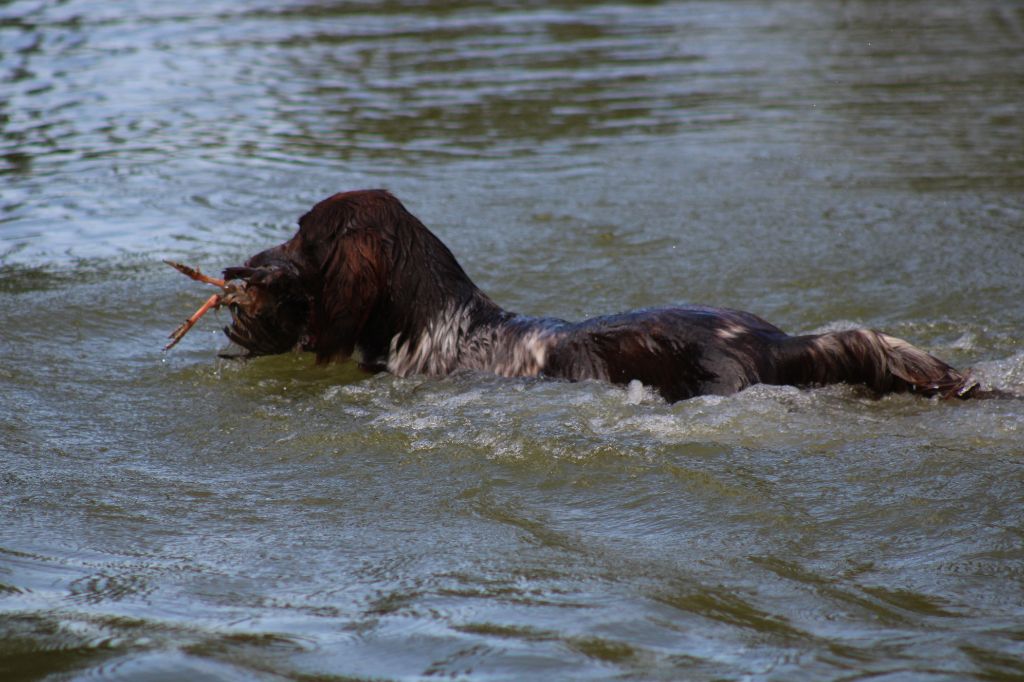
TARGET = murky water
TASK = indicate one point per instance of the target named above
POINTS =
(175, 516)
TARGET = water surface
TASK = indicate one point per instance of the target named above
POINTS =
(174, 515)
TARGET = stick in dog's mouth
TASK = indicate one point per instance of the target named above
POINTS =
(212, 302)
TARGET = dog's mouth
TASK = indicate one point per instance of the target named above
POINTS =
(264, 321)
(269, 309)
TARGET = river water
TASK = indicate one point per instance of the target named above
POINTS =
(171, 516)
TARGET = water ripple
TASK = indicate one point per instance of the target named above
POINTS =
(172, 515)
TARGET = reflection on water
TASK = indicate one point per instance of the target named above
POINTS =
(156, 104)
(171, 516)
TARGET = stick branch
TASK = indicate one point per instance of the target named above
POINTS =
(211, 302)
(194, 273)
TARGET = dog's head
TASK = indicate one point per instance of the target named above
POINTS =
(355, 273)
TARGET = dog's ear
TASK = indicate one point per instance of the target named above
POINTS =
(354, 277)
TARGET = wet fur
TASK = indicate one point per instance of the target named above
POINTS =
(364, 278)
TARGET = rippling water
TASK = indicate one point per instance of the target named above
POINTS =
(175, 516)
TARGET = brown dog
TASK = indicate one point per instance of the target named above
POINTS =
(364, 278)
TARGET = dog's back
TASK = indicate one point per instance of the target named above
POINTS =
(688, 351)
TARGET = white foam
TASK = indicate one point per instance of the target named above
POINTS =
(967, 341)
(635, 393)
(1006, 374)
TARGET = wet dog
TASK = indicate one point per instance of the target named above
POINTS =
(364, 278)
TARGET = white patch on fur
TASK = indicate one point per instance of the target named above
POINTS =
(829, 343)
(729, 331)
(446, 345)
(908, 361)
(435, 351)
(900, 344)
(524, 356)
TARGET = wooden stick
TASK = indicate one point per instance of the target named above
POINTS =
(180, 332)
(196, 275)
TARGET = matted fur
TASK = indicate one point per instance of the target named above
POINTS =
(364, 278)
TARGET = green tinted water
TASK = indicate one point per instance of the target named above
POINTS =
(176, 516)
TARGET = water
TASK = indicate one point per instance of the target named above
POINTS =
(175, 516)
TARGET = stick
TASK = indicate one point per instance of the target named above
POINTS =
(211, 302)
(196, 275)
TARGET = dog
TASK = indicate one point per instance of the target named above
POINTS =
(363, 278)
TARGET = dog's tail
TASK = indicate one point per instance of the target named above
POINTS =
(864, 356)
